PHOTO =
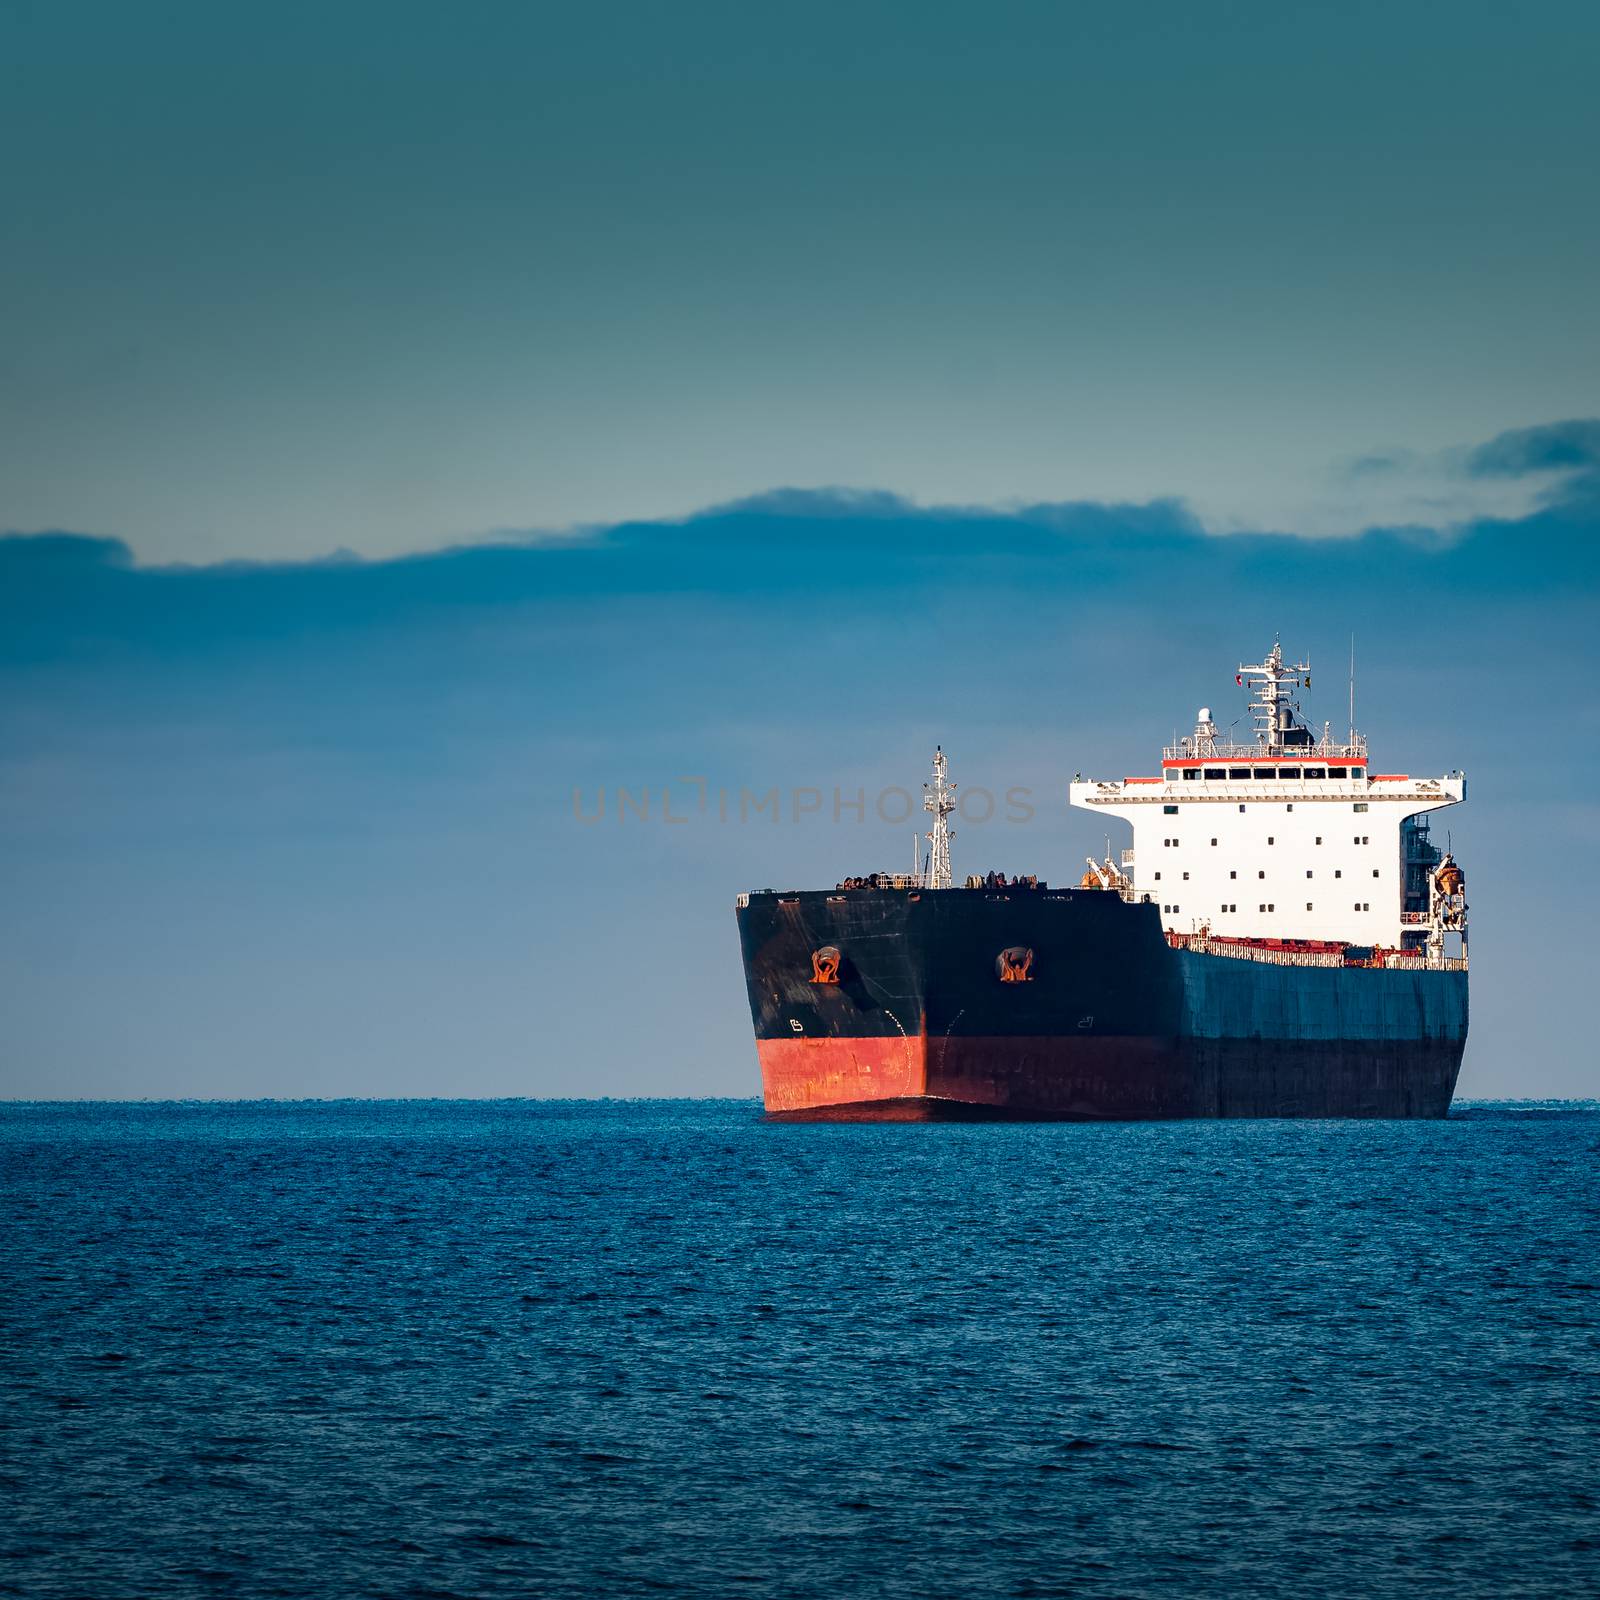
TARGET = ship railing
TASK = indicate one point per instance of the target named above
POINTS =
(1418, 961)
(1275, 958)
(1409, 960)
(1190, 749)
(1111, 791)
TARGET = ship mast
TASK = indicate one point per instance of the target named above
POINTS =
(939, 801)
(1273, 706)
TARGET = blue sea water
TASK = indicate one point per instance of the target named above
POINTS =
(576, 1349)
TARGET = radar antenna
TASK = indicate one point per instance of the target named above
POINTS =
(938, 801)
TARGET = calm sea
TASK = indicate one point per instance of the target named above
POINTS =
(533, 1348)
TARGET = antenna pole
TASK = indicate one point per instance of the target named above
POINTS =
(1352, 688)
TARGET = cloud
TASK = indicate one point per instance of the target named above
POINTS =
(821, 504)
(847, 550)
(1379, 464)
(1503, 481)
(1551, 447)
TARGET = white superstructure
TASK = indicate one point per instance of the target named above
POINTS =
(1289, 836)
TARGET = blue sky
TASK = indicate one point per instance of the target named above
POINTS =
(412, 416)
(279, 281)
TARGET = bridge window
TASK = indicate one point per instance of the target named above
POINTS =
(1191, 772)
(1338, 772)
(1288, 772)
(1216, 772)
(1316, 772)
(1266, 772)
(1239, 772)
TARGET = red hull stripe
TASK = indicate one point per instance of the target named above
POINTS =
(802, 1074)
(1087, 1078)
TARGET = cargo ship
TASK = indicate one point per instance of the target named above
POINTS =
(1282, 939)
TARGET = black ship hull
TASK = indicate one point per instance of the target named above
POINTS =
(1071, 1004)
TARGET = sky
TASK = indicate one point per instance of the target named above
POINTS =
(415, 421)
(284, 280)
